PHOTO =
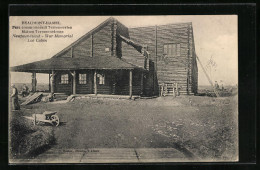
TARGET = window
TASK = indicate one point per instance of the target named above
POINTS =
(64, 79)
(172, 49)
(82, 78)
(101, 78)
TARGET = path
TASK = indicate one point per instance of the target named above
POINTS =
(108, 155)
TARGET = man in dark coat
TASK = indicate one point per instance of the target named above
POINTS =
(15, 103)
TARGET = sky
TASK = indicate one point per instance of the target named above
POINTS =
(215, 37)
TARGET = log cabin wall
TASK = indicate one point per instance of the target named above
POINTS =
(150, 81)
(102, 44)
(144, 36)
(98, 43)
(63, 88)
(123, 83)
(83, 48)
(107, 87)
(194, 66)
(173, 69)
(130, 55)
(66, 54)
(85, 88)
(120, 30)
(169, 69)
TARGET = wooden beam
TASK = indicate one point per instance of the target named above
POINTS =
(177, 89)
(71, 52)
(91, 46)
(34, 82)
(188, 63)
(155, 65)
(72, 73)
(142, 83)
(130, 83)
(49, 82)
(74, 82)
(173, 90)
(155, 47)
(52, 81)
(215, 91)
(95, 82)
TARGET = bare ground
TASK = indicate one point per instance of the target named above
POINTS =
(201, 127)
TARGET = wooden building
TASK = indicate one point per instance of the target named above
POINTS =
(114, 59)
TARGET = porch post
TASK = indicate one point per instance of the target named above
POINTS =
(34, 81)
(74, 82)
(142, 83)
(49, 82)
(52, 81)
(130, 83)
(95, 82)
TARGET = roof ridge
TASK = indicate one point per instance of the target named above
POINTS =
(177, 23)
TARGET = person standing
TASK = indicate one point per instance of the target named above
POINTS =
(25, 90)
(15, 103)
(216, 85)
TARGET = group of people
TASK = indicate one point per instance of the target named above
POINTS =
(14, 96)
(217, 86)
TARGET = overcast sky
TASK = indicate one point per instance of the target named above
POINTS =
(215, 37)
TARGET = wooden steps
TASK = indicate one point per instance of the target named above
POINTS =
(60, 96)
(182, 89)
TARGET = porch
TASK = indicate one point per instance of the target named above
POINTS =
(99, 75)
(106, 82)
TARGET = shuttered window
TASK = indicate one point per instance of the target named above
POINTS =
(172, 49)
(64, 79)
(82, 78)
(101, 78)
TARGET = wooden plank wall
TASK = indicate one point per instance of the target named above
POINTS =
(194, 66)
(66, 54)
(63, 88)
(170, 69)
(173, 69)
(151, 86)
(124, 83)
(107, 87)
(85, 88)
(121, 30)
(102, 40)
(144, 36)
(83, 48)
(130, 55)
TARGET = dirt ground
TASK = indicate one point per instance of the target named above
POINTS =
(199, 126)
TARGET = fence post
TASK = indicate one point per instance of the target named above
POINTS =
(162, 89)
(177, 89)
(166, 89)
(173, 90)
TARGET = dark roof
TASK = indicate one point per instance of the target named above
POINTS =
(79, 63)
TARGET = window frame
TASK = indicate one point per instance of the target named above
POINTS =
(84, 80)
(64, 78)
(101, 76)
(172, 49)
